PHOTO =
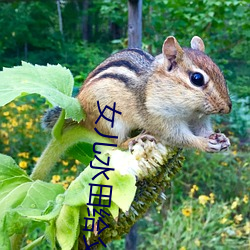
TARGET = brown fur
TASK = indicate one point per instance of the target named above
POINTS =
(156, 95)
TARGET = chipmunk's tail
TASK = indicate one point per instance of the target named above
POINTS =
(50, 117)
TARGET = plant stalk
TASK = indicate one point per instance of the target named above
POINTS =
(58, 146)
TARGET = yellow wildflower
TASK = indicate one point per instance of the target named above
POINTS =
(211, 195)
(24, 154)
(224, 164)
(223, 220)
(23, 107)
(12, 105)
(183, 248)
(6, 149)
(193, 190)
(6, 141)
(187, 211)
(55, 178)
(77, 162)
(223, 235)
(247, 227)
(238, 218)
(234, 152)
(65, 163)
(65, 185)
(14, 123)
(23, 164)
(238, 233)
(35, 159)
(197, 242)
(245, 199)
(73, 168)
(235, 203)
(203, 199)
(70, 178)
(4, 134)
(6, 113)
(29, 124)
(19, 108)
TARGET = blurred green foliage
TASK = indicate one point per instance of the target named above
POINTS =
(30, 32)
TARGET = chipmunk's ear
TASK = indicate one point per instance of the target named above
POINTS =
(171, 49)
(197, 43)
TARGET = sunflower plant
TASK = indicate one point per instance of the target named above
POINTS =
(65, 217)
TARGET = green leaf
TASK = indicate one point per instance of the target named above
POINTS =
(8, 220)
(50, 234)
(124, 189)
(82, 151)
(20, 197)
(14, 223)
(123, 185)
(14, 198)
(27, 202)
(9, 168)
(67, 226)
(45, 217)
(53, 82)
(114, 210)
(39, 194)
(4, 240)
(9, 184)
(78, 192)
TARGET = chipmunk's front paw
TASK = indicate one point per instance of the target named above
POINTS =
(217, 142)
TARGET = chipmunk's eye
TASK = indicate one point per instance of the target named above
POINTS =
(197, 79)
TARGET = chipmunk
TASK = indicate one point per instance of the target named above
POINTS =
(169, 97)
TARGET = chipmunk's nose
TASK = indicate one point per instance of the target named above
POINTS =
(227, 108)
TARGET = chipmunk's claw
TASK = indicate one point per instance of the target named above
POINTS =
(218, 142)
(141, 139)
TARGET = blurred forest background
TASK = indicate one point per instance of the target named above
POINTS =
(207, 206)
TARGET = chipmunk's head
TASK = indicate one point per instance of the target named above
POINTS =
(198, 77)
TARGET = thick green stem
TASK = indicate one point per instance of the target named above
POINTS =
(57, 147)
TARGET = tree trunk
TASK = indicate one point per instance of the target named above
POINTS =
(134, 41)
(59, 16)
(135, 23)
(85, 23)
